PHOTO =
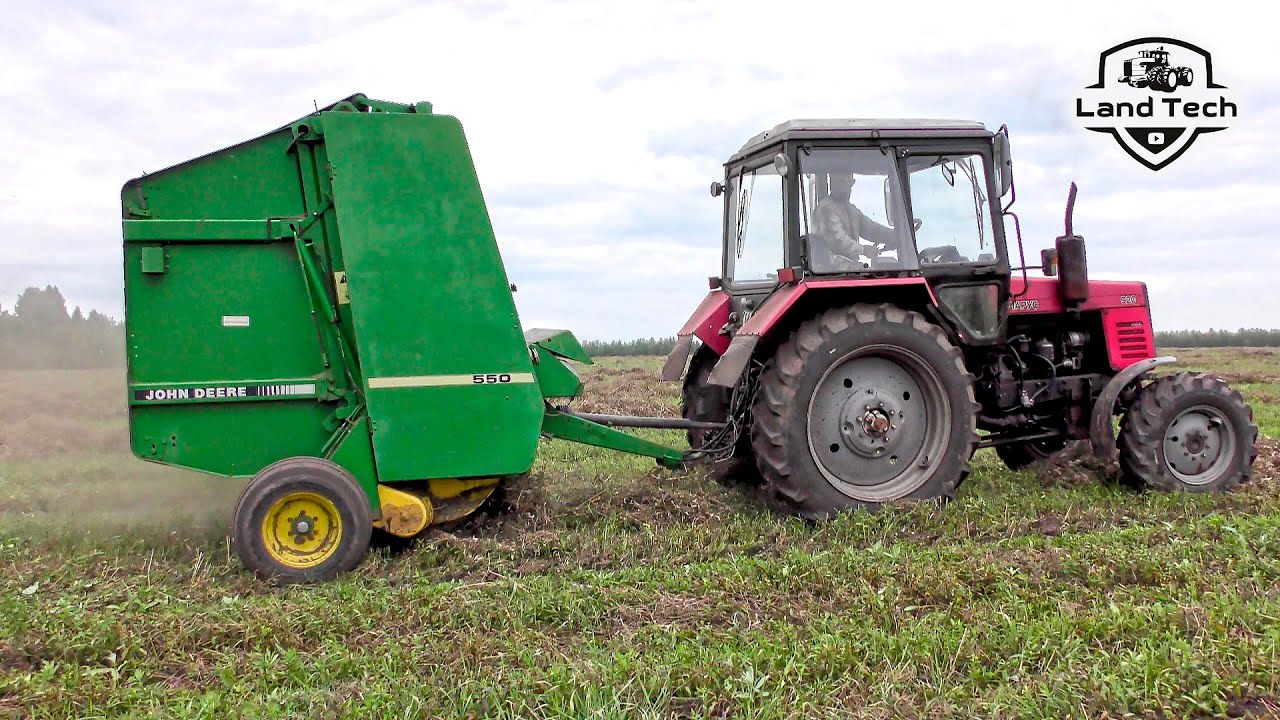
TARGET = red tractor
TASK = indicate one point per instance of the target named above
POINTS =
(869, 331)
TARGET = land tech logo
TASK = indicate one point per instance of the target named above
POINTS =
(1155, 96)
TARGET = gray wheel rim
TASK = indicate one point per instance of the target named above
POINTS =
(1198, 445)
(878, 423)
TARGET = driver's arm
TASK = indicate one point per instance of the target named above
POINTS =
(840, 237)
(874, 231)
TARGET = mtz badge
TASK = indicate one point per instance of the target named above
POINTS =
(1155, 96)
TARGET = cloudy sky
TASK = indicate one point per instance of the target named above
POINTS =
(596, 128)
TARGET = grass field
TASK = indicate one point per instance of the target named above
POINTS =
(614, 589)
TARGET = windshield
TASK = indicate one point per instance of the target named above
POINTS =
(755, 225)
(949, 201)
(852, 220)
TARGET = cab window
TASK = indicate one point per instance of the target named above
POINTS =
(756, 225)
(949, 205)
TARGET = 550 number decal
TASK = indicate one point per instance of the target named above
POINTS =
(491, 379)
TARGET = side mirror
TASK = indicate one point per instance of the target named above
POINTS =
(1004, 160)
(717, 189)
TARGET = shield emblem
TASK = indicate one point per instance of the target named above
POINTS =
(1155, 96)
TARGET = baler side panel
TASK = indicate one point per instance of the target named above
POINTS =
(205, 305)
(449, 379)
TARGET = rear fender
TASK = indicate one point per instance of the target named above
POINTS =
(774, 314)
(705, 324)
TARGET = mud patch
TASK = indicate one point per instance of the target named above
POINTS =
(1076, 465)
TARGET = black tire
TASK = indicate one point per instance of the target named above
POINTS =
(1218, 439)
(945, 408)
(1019, 455)
(701, 400)
(1185, 76)
(306, 477)
(704, 402)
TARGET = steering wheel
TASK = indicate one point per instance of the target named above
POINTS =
(941, 254)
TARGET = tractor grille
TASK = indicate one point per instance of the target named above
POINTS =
(1134, 340)
(1129, 336)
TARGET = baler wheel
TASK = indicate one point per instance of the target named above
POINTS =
(864, 405)
(1189, 432)
(301, 520)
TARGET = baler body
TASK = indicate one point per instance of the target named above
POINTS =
(330, 289)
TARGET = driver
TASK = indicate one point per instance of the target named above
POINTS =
(847, 230)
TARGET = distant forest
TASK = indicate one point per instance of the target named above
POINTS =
(1244, 337)
(41, 333)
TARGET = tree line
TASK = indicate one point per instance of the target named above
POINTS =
(39, 333)
(1244, 337)
(625, 348)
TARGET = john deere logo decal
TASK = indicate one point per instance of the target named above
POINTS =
(1155, 96)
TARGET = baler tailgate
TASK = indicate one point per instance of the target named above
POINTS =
(449, 380)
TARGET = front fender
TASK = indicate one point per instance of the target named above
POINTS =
(1101, 433)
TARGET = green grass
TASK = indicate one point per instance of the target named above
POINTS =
(615, 589)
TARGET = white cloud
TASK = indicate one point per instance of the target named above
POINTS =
(596, 128)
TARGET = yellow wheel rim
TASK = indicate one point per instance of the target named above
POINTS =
(301, 530)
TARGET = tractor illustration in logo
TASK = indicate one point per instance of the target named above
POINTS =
(1151, 69)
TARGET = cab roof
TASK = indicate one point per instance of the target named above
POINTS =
(854, 128)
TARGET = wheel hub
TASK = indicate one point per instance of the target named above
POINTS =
(871, 430)
(875, 423)
(1198, 446)
(870, 422)
(303, 528)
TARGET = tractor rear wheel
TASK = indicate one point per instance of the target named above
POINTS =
(1189, 432)
(861, 406)
(1021, 454)
(301, 520)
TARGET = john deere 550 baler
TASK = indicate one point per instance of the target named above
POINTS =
(324, 308)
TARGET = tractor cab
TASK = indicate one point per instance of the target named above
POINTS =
(872, 200)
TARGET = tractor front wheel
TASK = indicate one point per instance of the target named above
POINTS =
(861, 406)
(301, 520)
(1189, 432)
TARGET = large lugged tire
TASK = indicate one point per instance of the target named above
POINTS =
(1189, 432)
(301, 520)
(1019, 455)
(864, 405)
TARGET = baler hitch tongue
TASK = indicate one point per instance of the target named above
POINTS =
(647, 422)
